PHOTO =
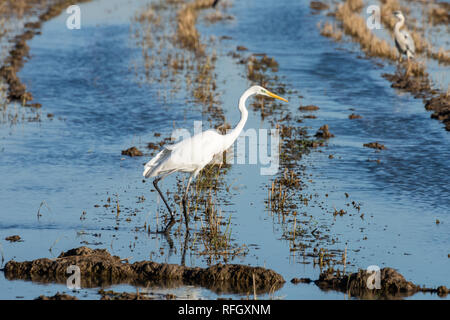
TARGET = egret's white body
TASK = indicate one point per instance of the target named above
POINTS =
(193, 154)
(403, 40)
(189, 155)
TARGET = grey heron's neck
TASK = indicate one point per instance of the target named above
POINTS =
(399, 24)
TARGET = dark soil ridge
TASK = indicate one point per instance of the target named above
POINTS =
(420, 87)
(98, 268)
(17, 91)
(393, 285)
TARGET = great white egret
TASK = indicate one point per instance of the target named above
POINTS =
(193, 154)
(403, 40)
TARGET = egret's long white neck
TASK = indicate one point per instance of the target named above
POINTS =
(399, 24)
(232, 136)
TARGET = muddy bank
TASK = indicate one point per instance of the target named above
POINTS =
(374, 145)
(132, 152)
(98, 268)
(17, 91)
(393, 285)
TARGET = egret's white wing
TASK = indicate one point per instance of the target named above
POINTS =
(188, 155)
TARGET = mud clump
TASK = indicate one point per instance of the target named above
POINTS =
(153, 146)
(33, 105)
(375, 145)
(98, 268)
(419, 87)
(317, 5)
(132, 152)
(324, 132)
(354, 116)
(256, 68)
(301, 280)
(15, 238)
(441, 107)
(57, 296)
(308, 108)
(393, 284)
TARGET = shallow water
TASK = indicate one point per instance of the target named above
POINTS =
(72, 162)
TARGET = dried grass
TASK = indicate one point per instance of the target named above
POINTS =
(187, 33)
(330, 31)
(355, 25)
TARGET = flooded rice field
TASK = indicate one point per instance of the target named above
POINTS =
(368, 189)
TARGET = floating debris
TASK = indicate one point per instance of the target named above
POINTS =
(374, 145)
(57, 296)
(354, 116)
(308, 108)
(20, 50)
(15, 238)
(317, 5)
(112, 295)
(132, 152)
(301, 280)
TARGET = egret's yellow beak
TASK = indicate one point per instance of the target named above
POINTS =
(273, 95)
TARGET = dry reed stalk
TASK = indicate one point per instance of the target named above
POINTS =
(187, 33)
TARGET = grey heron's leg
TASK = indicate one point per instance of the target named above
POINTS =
(172, 217)
(185, 212)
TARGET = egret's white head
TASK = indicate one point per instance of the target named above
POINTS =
(398, 15)
(262, 91)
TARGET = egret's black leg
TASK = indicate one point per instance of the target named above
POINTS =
(183, 254)
(172, 217)
(185, 211)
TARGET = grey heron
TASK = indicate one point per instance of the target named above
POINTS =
(403, 40)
